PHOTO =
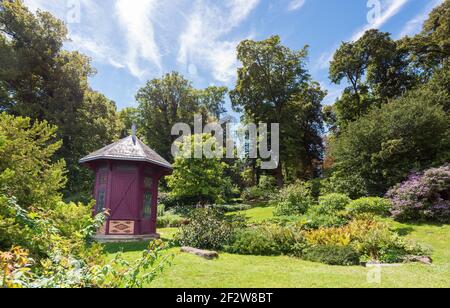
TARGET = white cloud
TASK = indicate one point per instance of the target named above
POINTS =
(295, 5)
(100, 52)
(323, 62)
(393, 7)
(203, 42)
(136, 20)
(415, 24)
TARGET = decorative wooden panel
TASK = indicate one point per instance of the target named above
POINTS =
(121, 227)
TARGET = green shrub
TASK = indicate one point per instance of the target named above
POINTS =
(315, 220)
(252, 241)
(207, 229)
(294, 199)
(316, 187)
(161, 210)
(232, 208)
(332, 203)
(262, 192)
(372, 239)
(329, 212)
(266, 240)
(332, 255)
(71, 218)
(171, 221)
(379, 243)
(371, 205)
(28, 169)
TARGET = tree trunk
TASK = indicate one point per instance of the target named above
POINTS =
(279, 176)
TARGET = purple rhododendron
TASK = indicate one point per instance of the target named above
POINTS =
(423, 196)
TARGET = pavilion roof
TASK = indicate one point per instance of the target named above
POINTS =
(128, 149)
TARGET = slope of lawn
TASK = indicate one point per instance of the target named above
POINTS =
(250, 271)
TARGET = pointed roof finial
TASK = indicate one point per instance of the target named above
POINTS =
(133, 132)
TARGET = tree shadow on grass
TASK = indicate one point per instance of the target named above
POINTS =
(404, 231)
(409, 227)
(112, 248)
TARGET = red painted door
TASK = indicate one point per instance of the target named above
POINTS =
(124, 190)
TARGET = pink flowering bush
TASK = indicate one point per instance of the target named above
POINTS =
(424, 196)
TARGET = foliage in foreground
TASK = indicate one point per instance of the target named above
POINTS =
(57, 261)
(423, 197)
(27, 168)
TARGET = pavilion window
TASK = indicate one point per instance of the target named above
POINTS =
(148, 183)
(100, 201)
(147, 204)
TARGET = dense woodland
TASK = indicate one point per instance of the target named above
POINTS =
(392, 119)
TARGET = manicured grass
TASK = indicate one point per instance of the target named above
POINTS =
(257, 214)
(188, 271)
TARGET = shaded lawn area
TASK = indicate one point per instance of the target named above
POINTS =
(234, 271)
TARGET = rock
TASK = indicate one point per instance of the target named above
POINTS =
(419, 259)
(209, 255)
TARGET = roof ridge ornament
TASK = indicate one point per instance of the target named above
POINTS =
(133, 132)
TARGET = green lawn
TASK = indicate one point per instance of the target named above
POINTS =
(189, 271)
(257, 214)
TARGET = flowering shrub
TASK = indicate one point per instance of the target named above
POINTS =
(423, 196)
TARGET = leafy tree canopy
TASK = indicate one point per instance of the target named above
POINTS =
(27, 168)
(200, 180)
(40, 80)
(381, 148)
(273, 86)
(170, 100)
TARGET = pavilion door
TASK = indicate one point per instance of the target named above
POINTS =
(124, 195)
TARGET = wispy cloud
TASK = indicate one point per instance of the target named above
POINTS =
(295, 5)
(204, 43)
(136, 20)
(393, 7)
(414, 25)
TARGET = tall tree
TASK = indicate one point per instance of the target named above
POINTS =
(273, 86)
(40, 80)
(378, 150)
(376, 69)
(170, 100)
(430, 49)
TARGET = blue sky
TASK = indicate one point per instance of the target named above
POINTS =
(132, 41)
